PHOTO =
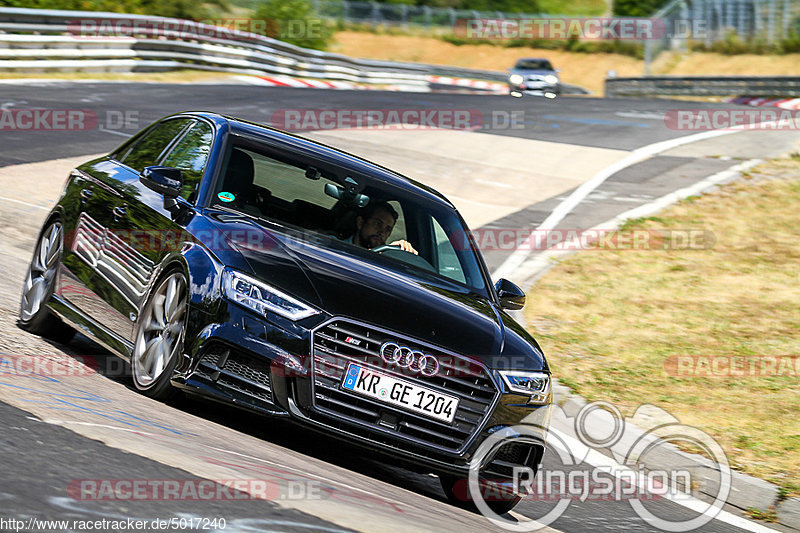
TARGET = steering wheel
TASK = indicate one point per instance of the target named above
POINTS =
(384, 247)
(396, 252)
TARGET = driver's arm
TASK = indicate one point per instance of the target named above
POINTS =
(405, 246)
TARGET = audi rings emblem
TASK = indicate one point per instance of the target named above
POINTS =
(405, 357)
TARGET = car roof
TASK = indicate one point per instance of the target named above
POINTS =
(332, 155)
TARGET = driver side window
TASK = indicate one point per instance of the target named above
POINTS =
(399, 232)
(147, 151)
(190, 156)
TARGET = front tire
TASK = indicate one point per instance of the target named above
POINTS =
(40, 281)
(458, 494)
(159, 337)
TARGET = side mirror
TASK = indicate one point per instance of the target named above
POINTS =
(511, 297)
(166, 181)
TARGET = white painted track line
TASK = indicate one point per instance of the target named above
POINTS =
(518, 258)
(531, 269)
(598, 460)
(4, 199)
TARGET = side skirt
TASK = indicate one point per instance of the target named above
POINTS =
(78, 320)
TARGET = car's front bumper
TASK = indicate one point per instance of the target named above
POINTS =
(535, 87)
(265, 366)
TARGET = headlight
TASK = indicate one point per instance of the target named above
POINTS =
(534, 384)
(551, 79)
(516, 79)
(261, 298)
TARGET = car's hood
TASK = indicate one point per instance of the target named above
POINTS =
(539, 72)
(344, 281)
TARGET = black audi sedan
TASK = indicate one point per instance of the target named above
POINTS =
(238, 262)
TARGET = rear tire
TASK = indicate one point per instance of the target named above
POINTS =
(159, 337)
(34, 316)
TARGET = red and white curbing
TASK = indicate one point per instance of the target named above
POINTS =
(481, 87)
(288, 81)
(783, 103)
(492, 87)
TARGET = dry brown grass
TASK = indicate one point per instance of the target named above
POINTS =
(582, 69)
(609, 320)
(586, 70)
(698, 63)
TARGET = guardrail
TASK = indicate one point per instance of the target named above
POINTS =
(32, 39)
(772, 86)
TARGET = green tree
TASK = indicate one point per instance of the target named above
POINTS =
(637, 8)
(508, 6)
(295, 22)
(185, 9)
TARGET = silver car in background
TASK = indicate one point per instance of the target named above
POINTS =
(534, 75)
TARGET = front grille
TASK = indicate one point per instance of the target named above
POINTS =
(237, 371)
(458, 376)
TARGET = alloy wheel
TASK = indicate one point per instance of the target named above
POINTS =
(42, 272)
(160, 333)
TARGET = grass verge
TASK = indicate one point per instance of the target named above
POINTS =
(582, 8)
(613, 322)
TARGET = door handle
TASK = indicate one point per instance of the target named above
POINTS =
(86, 194)
(119, 212)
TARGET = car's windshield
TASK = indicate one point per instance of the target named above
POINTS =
(398, 226)
(533, 64)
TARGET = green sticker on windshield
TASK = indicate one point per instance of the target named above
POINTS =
(226, 196)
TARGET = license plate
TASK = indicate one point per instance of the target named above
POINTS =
(399, 392)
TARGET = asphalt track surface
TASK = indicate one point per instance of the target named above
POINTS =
(45, 439)
(619, 123)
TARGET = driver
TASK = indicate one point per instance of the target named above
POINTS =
(375, 224)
